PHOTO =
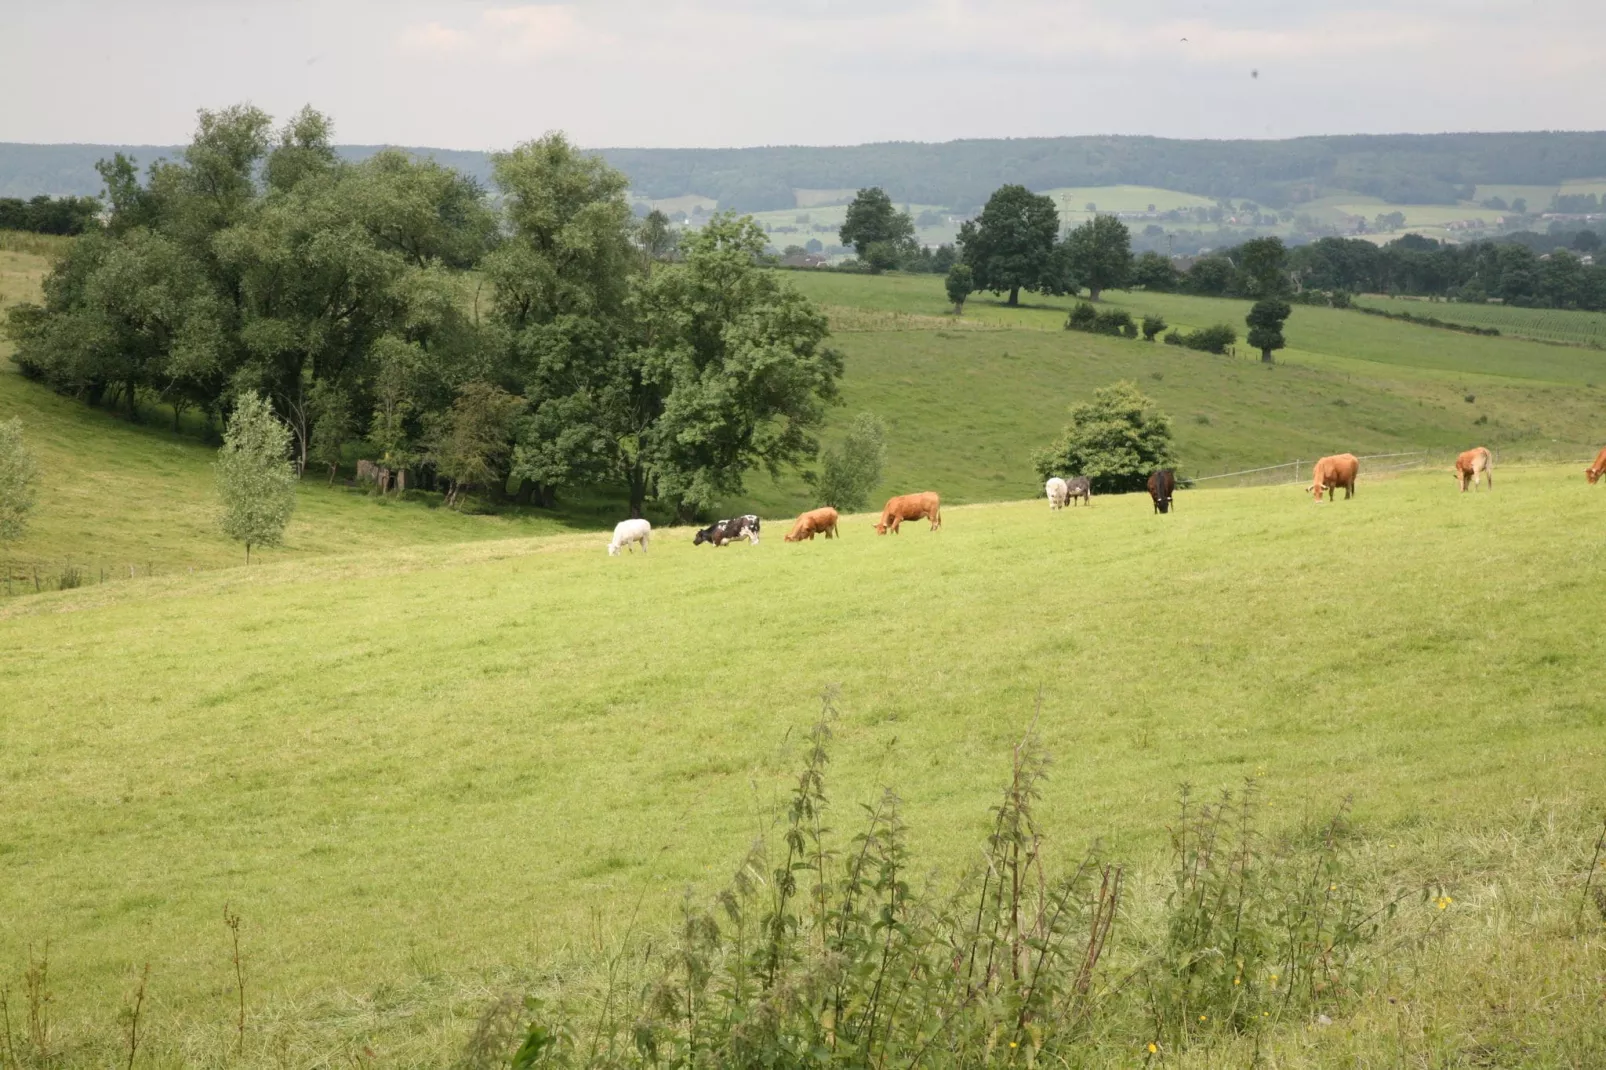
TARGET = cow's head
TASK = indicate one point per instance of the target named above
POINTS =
(702, 536)
(1163, 503)
(881, 525)
(1593, 474)
(1318, 490)
(613, 549)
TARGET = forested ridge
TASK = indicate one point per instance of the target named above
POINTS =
(1401, 168)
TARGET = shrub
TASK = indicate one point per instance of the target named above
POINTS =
(1173, 337)
(851, 471)
(959, 283)
(1129, 330)
(1084, 317)
(1211, 339)
(1152, 325)
(1114, 440)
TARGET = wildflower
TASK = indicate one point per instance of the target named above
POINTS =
(1012, 1044)
(1153, 1047)
(1204, 1017)
(1237, 980)
(1332, 887)
(1443, 901)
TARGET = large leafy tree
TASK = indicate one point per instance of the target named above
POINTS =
(874, 225)
(1265, 319)
(1263, 263)
(1100, 253)
(732, 366)
(1013, 245)
(256, 484)
(1116, 439)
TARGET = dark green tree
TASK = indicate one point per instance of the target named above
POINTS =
(959, 284)
(1116, 440)
(1100, 253)
(1155, 273)
(1012, 246)
(1263, 263)
(656, 237)
(1265, 321)
(871, 220)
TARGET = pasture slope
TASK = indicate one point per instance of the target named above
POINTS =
(426, 780)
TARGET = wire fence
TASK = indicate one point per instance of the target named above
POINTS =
(36, 577)
(1299, 469)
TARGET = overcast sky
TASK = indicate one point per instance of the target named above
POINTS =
(462, 74)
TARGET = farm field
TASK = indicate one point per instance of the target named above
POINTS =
(421, 781)
(1545, 324)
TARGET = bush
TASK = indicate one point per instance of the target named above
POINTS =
(1211, 339)
(1083, 317)
(1114, 440)
(1152, 325)
(959, 283)
(1173, 337)
(850, 472)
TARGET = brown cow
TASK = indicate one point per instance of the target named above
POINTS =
(1472, 464)
(925, 505)
(1333, 472)
(1596, 470)
(814, 522)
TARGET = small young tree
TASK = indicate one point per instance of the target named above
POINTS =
(18, 471)
(473, 443)
(1115, 440)
(960, 282)
(850, 472)
(255, 481)
(333, 424)
(1265, 321)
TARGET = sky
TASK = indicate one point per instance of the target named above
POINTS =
(700, 73)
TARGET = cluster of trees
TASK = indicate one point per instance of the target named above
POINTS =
(260, 263)
(883, 237)
(1513, 271)
(50, 215)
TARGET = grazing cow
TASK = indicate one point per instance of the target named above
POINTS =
(1330, 473)
(1079, 487)
(814, 522)
(1162, 485)
(724, 531)
(1476, 462)
(1596, 470)
(1058, 491)
(627, 532)
(925, 505)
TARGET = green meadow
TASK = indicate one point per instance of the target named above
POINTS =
(432, 758)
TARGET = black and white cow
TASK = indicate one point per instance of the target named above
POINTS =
(724, 531)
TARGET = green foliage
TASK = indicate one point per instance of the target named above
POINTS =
(1264, 265)
(1265, 320)
(1113, 321)
(1214, 339)
(333, 424)
(18, 473)
(1100, 254)
(50, 215)
(850, 471)
(1013, 245)
(471, 444)
(959, 284)
(878, 232)
(1084, 317)
(656, 237)
(1152, 271)
(256, 484)
(1152, 325)
(1115, 439)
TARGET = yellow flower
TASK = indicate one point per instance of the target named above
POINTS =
(1332, 887)
(1153, 1047)
(1237, 980)
(1204, 1017)
(1012, 1044)
(1443, 901)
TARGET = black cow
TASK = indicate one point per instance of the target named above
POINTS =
(723, 531)
(1079, 487)
(1161, 486)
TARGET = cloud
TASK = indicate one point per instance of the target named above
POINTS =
(539, 30)
(432, 37)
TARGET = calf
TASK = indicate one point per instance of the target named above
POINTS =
(1330, 473)
(1079, 487)
(1162, 485)
(628, 532)
(1596, 470)
(815, 522)
(1057, 491)
(724, 531)
(1476, 462)
(925, 505)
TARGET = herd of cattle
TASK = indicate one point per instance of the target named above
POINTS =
(1328, 476)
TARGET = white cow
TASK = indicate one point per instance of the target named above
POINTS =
(1058, 492)
(627, 532)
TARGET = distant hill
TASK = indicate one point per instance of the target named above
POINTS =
(1400, 168)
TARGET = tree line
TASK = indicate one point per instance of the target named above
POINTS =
(385, 308)
(50, 215)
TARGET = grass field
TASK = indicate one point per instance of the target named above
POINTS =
(1544, 324)
(430, 758)
(417, 778)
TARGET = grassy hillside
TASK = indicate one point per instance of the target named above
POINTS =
(423, 779)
